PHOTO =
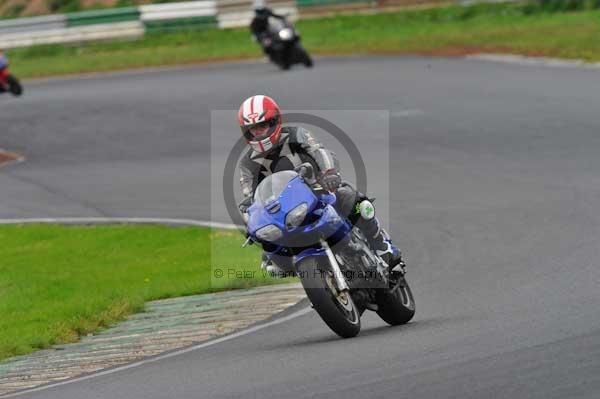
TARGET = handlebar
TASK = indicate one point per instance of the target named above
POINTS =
(305, 170)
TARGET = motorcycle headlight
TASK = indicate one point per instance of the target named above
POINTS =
(269, 233)
(286, 34)
(296, 215)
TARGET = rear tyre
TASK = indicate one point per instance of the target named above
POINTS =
(14, 86)
(303, 57)
(337, 309)
(396, 306)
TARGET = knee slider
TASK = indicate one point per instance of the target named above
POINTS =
(367, 210)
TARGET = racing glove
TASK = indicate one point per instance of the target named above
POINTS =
(330, 180)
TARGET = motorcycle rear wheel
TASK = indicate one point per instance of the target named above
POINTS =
(303, 57)
(337, 309)
(396, 306)
(14, 86)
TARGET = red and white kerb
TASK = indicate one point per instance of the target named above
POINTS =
(257, 109)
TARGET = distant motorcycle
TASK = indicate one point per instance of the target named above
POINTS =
(282, 43)
(9, 83)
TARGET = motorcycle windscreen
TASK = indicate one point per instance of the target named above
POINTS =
(275, 25)
(272, 186)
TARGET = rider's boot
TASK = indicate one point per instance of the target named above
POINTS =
(378, 237)
(388, 251)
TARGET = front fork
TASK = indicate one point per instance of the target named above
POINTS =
(340, 281)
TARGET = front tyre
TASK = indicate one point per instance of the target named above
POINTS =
(285, 57)
(336, 308)
(280, 59)
(396, 306)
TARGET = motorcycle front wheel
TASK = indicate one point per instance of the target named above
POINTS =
(283, 60)
(279, 56)
(337, 309)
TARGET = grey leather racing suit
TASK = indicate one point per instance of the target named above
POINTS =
(295, 147)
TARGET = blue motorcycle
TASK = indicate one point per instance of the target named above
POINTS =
(301, 232)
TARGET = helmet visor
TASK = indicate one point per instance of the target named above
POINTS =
(259, 131)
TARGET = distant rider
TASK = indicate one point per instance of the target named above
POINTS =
(3, 60)
(3, 66)
(260, 26)
(274, 148)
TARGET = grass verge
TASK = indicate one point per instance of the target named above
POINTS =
(58, 283)
(455, 30)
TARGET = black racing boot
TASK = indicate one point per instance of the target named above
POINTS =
(388, 251)
(378, 238)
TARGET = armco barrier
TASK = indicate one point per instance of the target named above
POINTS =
(108, 16)
(412, 3)
(179, 16)
(308, 3)
(180, 24)
(32, 24)
(239, 13)
(73, 34)
(186, 9)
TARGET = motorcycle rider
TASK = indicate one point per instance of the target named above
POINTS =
(260, 26)
(3, 60)
(3, 66)
(274, 148)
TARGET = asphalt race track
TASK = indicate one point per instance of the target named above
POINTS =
(495, 198)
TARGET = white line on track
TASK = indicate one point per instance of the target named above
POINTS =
(534, 61)
(250, 330)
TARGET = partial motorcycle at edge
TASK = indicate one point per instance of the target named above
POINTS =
(8, 82)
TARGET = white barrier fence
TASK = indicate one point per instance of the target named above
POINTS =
(188, 9)
(34, 24)
(73, 34)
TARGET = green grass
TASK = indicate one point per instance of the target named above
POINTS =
(60, 282)
(505, 28)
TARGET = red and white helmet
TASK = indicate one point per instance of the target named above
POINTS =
(260, 120)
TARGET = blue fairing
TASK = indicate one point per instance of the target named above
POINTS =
(293, 195)
(309, 252)
(328, 198)
(321, 220)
